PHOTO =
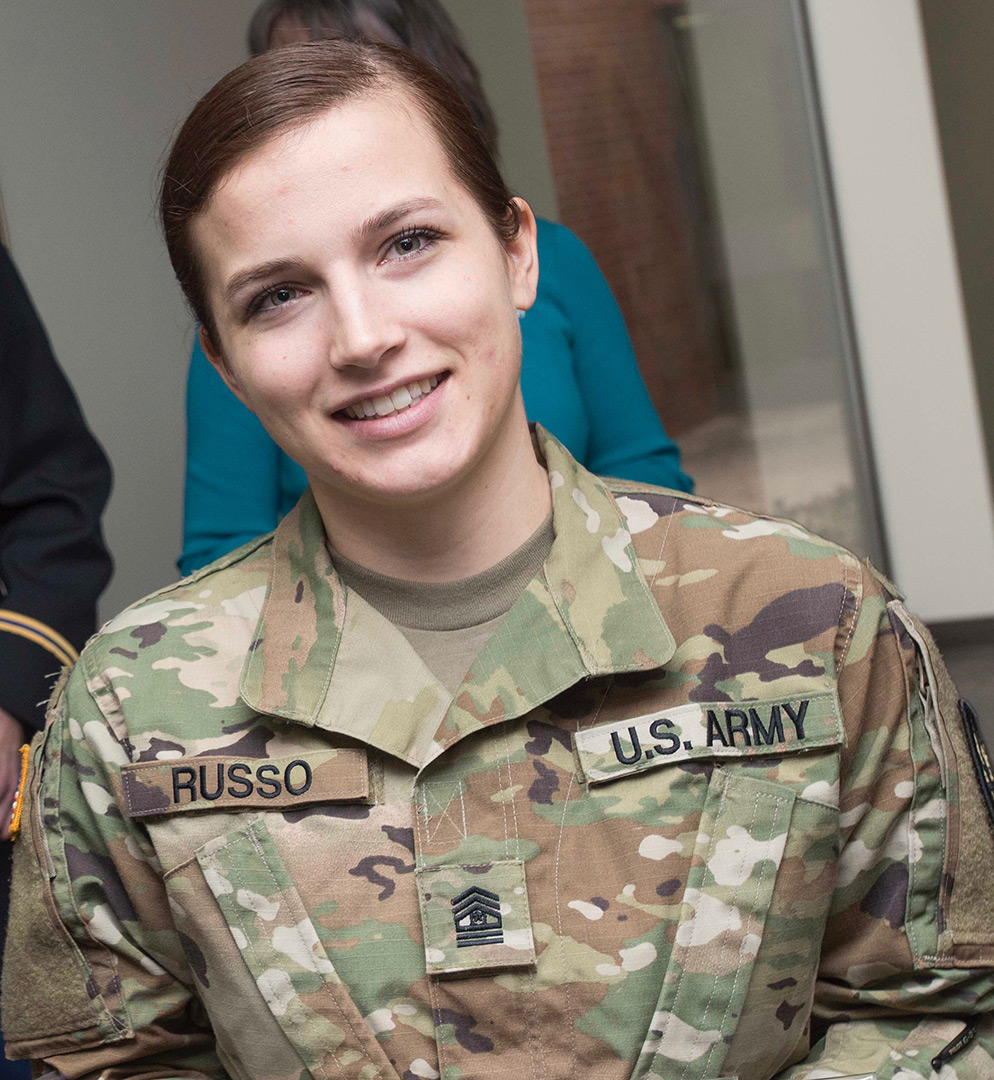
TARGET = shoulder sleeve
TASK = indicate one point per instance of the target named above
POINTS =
(232, 486)
(54, 482)
(627, 438)
(906, 978)
(94, 975)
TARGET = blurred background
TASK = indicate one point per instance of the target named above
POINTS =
(791, 199)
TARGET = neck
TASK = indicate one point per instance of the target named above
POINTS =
(456, 533)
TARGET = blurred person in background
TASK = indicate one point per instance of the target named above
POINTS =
(54, 484)
(579, 377)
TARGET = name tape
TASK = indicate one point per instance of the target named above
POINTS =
(220, 782)
(709, 730)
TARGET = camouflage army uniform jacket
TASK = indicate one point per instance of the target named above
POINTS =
(702, 807)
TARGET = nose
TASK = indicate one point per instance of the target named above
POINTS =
(364, 330)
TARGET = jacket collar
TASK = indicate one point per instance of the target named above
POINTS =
(324, 657)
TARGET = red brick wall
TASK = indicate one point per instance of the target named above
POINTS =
(606, 92)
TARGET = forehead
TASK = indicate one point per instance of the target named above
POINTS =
(348, 157)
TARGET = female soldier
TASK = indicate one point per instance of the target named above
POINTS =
(478, 767)
(579, 376)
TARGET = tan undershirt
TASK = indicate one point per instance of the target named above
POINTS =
(448, 623)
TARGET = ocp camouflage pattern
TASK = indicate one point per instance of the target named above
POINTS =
(702, 807)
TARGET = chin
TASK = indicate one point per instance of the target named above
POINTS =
(412, 487)
(414, 480)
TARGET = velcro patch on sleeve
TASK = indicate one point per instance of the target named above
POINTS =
(709, 730)
(234, 783)
(475, 917)
(979, 757)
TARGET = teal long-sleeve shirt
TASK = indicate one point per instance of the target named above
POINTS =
(579, 379)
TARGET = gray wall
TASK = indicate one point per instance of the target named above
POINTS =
(89, 96)
(496, 34)
(960, 44)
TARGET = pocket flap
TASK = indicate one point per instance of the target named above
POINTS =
(281, 948)
(709, 730)
(739, 849)
(475, 917)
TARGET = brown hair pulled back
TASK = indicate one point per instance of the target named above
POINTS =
(422, 26)
(279, 90)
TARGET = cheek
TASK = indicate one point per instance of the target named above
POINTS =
(277, 375)
(471, 301)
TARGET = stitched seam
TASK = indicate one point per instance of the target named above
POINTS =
(443, 815)
(676, 999)
(559, 916)
(125, 787)
(421, 825)
(251, 945)
(435, 1017)
(258, 850)
(909, 924)
(559, 910)
(421, 815)
(669, 525)
(756, 894)
(354, 776)
(426, 871)
(253, 839)
(858, 593)
(944, 890)
(102, 950)
(510, 788)
(500, 789)
(715, 950)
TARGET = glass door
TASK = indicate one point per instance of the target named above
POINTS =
(788, 435)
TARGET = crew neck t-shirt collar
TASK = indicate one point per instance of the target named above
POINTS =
(451, 605)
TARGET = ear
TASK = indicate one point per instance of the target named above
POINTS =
(219, 364)
(522, 254)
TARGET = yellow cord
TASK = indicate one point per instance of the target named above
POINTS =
(18, 806)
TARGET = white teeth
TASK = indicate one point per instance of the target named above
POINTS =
(398, 400)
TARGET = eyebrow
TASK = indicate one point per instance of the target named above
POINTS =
(262, 272)
(370, 227)
(385, 218)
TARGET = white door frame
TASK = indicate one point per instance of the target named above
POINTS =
(903, 284)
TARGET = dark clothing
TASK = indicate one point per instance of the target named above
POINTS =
(54, 482)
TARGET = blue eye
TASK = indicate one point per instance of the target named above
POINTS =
(407, 245)
(283, 295)
(413, 242)
(271, 300)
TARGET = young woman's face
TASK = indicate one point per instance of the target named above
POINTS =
(365, 309)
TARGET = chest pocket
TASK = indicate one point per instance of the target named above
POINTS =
(248, 935)
(723, 920)
(738, 982)
(278, 942)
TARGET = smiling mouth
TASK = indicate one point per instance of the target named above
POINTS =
(397, 401)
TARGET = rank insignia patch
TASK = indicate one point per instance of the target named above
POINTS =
(477, 917)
